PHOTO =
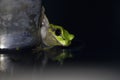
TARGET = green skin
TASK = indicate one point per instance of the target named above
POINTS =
(54, 35)
(58, 36)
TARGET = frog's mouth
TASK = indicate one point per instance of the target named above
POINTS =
(63, 42)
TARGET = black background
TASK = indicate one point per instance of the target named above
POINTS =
(94, 23)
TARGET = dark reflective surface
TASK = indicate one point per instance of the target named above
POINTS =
(56, 64)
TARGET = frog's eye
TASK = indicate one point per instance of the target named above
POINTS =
(57, 32)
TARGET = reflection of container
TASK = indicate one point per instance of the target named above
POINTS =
(19, 23)
(3, 62)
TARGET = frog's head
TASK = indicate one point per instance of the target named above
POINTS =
(58, 36)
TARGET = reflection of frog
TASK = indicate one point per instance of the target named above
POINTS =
(11, 62)
(62, 56)
(55, 54)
